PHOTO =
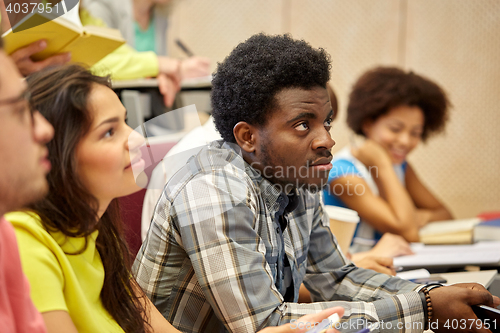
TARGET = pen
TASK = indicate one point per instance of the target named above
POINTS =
(325, 324)
(184, 48)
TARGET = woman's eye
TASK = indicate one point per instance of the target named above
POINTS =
(109, 133)
(416, 134)
(302, 127)
(394, 129)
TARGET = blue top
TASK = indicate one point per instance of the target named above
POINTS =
(344, 165)
(145, 40)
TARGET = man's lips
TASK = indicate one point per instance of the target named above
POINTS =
(322, 161)
(322, 164)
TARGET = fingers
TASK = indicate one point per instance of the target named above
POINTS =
(326, 313)
(168, 88)
(385, 270)
(496, 301)
(386, 265)
(26, 65)
(29, 50)
(479, 294)
(316, 318)
(384, 261)
(301, 325)
(58, 59)
(378, 264)
(195, 67)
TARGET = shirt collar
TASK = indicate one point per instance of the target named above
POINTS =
(276, 200)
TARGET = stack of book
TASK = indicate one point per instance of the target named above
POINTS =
(464, 231)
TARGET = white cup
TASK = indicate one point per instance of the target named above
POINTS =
(343, 222)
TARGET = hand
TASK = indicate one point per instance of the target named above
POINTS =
(168, 87)
(478, 287)
(378, 264)
(391, 245)
(23, 61)
(170, 67)
(371, 154)
(454, 302)
(311, 319)
(195, 67)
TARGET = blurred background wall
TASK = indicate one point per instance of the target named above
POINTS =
(454, 42)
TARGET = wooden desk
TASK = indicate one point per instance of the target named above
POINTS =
(143, 100)
(482, 277)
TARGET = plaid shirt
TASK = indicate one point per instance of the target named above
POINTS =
(212, 260)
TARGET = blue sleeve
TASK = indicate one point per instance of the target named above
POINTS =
(341, 168)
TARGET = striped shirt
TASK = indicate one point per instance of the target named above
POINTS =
(213, 257)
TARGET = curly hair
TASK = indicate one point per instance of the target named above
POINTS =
(381, 89)
(246, 82)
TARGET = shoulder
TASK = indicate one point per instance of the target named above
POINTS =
(28, 221)
(31, 234)
(215, 164)
(342, 167)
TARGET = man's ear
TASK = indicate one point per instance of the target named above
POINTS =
(246, 136)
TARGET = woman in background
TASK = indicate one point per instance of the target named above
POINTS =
(71, 243)
(394, 110)
(143, 24)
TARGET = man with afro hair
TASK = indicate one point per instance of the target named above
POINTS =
(241, 226)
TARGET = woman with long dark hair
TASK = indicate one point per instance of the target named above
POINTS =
(71, 243)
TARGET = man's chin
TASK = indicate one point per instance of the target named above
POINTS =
(313, 187)
(38, 193)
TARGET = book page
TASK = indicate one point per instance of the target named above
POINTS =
(481, 253)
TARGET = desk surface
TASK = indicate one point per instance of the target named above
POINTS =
(443, 256)
(482, 277)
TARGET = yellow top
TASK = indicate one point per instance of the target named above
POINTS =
(61, 281)
(124, 63)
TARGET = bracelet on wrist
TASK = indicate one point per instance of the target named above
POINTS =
(427, 305)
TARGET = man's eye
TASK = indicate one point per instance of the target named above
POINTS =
(302, 127)
(328, 123)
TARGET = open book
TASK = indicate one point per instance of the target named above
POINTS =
(87, 44)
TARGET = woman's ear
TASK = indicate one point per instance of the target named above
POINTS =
(245, 135)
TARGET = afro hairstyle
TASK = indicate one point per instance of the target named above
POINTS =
(246, 82)
(381, 89)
